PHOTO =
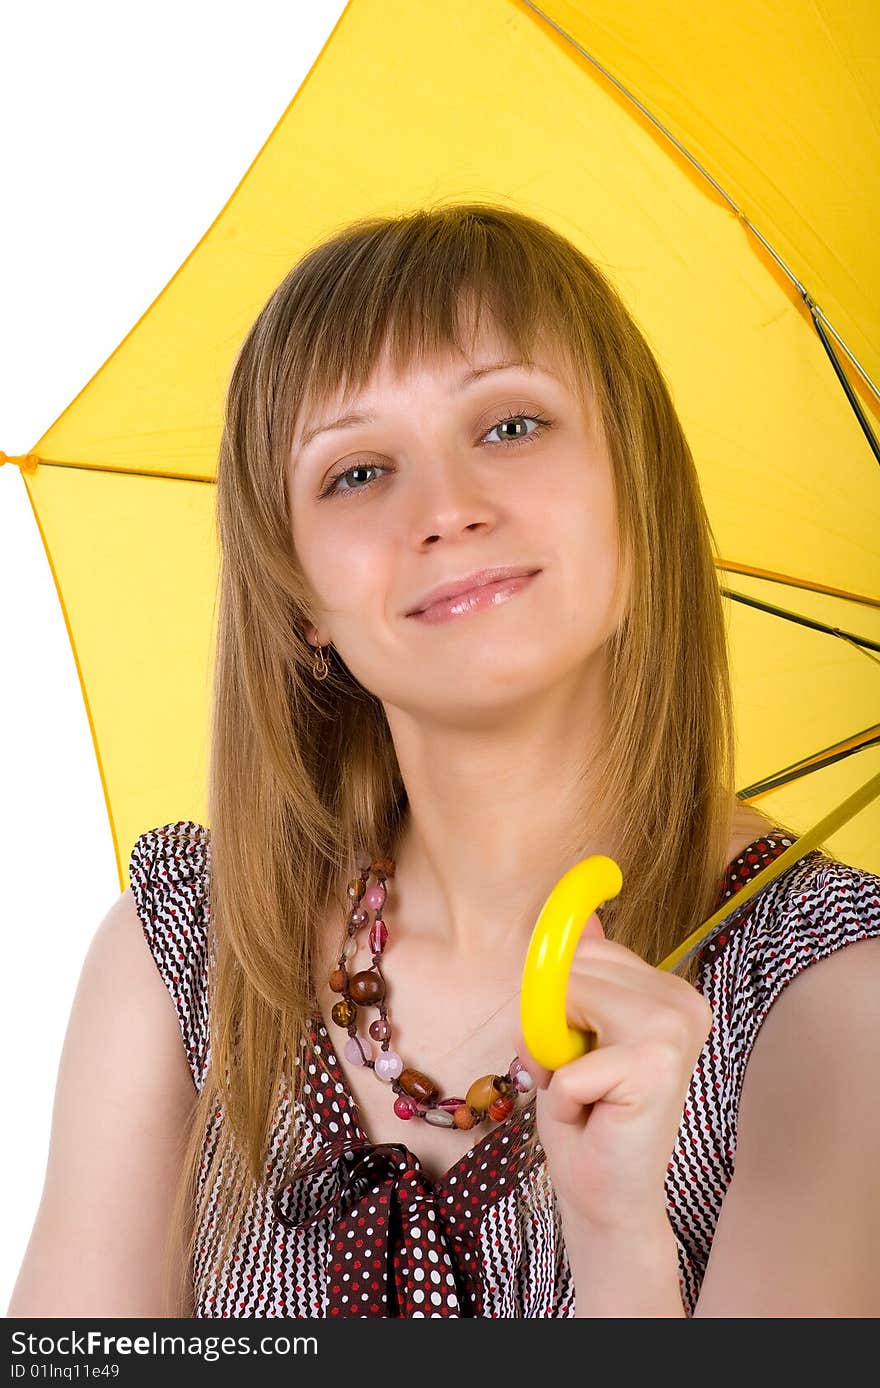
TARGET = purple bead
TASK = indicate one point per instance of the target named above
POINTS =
(378, 936)
(375, 898)
(450, 1104)
(359, 917)
(404, 1107)
(357, 1051)
(380, 1030)
(515, 1066)
(388, 1065)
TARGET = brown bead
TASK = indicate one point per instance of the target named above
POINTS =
(500, 1109)
(343, 1012)
(338, 980)
(385, 865)
(484, 1092)
(464, 1118)
(367, 987)
(417, 1085)
(355, 888)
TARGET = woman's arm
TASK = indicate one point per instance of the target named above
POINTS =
(608, 1122)
(123, 1098)
(799, 1230)
(626, 1273)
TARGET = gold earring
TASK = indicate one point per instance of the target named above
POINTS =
(320, 669)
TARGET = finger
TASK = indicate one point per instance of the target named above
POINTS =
(605, 958)
(619, 1011)
(604, 1074)
(591, 944)
(666, 988)
(615, 1001)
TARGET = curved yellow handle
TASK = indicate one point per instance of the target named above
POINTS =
(551, 949)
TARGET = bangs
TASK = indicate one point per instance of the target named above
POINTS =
(420, 289)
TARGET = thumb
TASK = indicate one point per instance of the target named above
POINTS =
(594, 926)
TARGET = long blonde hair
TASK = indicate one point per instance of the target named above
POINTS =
(304, 782)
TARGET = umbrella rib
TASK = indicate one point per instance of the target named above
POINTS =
(749, 571)
(837, 751)
(732, 911)
(860, 642)
(29, 462)
(815, 310)
(866, 429)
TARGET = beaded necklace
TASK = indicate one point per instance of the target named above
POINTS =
(416, 1096)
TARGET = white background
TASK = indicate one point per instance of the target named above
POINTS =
(124, 129)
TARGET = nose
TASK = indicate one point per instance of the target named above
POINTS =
(449, 498)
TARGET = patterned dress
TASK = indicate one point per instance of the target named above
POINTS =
(345, 1227)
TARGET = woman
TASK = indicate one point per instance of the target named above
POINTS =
(398, 779)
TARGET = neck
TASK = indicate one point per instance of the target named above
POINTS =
(495, 817)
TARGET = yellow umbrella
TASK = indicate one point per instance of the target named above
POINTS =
(712, 161)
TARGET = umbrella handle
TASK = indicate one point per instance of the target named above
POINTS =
(557, 930)
(574, 899)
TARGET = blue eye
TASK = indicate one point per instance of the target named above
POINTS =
(333, 488)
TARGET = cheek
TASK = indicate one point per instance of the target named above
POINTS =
(587, 558)
(581, 520)
(350, 569)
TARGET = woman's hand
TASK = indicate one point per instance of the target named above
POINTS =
(608, 1121)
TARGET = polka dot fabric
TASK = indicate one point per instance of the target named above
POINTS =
(402, 1245)
(345, 1227)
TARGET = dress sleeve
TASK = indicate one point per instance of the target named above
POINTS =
(168, 872)
(826, 906)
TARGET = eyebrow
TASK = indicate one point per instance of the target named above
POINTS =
(352, 421)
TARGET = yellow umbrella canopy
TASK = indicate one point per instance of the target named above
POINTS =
(712, 160)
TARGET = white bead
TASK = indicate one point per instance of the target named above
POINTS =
(356, 1053)
(439, 1117)
(388, 1065)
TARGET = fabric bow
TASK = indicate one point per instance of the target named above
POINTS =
(391, 1253)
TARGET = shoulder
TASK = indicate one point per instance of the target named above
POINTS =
(818, 906)
(749, 826)
(806, 1140)
(177, 853)
(169, 875)
(815, 909)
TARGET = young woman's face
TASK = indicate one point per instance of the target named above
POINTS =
(430, 490)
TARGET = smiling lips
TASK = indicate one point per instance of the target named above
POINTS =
(456, 586)
(475, 598)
